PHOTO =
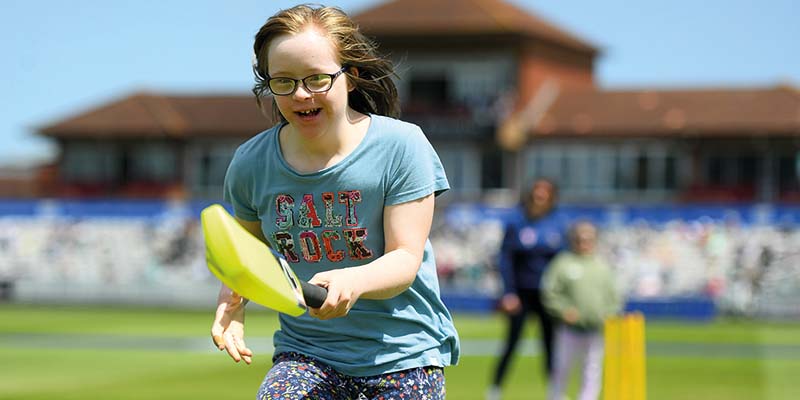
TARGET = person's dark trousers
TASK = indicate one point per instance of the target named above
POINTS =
(531, 303)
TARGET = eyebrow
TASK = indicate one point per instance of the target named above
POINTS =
(283, 74)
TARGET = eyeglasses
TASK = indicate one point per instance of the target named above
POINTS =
(317, 83)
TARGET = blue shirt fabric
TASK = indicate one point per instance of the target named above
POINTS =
(333, 219)
(528, 247)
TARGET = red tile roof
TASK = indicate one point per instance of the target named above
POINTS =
(730, 112)
(175, 116)
(636, 113)
(461, 17)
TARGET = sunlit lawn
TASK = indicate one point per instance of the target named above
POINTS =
(64, 352)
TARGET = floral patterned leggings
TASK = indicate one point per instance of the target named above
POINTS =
(294, 376)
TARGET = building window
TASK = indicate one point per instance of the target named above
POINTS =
(642, 175)
(152, 162)
(212, 169)
(747, 168)
(469, 81)
(549, 165)
(429, 91)
(492, 168)
(206, 166)
(715, 171)
(789, 174)
(604, 171)
(670, 173)
(92, 163)
(731, 170)
(463, 167)
(624, 172)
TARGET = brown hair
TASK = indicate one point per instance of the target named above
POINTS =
(374, 93)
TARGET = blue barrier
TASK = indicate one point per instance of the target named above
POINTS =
(687, 308)
(626, 214)
(22, 208)
(476, 303)
(110, 208)
(86, 209)
(684, 308)
(455, 214)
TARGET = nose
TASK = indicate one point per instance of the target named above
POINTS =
(300, 92)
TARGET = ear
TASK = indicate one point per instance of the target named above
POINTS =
(354, 72)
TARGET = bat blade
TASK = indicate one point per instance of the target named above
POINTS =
(247, 266)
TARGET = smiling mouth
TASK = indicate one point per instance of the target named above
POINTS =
(309, 113)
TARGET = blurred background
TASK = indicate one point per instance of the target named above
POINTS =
(675, 126)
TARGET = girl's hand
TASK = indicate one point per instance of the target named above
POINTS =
(510, 304)
(227, 331)
(344, 289)
(571, 315)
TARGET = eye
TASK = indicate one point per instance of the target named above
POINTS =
(318, 78)
(281, 85)
(318, 82)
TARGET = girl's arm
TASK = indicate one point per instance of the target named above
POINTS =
(554, 291)
(253, 227)
(406, 228)
(227, 330)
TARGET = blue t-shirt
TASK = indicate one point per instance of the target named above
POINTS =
(333, 219)
(528, 247)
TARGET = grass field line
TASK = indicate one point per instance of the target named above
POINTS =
(471, 347)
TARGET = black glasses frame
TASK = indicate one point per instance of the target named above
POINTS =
(296, 82)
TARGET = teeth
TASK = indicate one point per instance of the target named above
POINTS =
(307, 112)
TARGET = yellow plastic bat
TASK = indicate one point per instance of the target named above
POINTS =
(250, 268)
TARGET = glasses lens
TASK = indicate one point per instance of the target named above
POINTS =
(318, 83)
(281, 86)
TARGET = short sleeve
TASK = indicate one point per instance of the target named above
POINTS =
(237, 188)
(416, 171)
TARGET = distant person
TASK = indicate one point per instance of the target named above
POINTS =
(346, 193)
(529, 244)
(579, 291)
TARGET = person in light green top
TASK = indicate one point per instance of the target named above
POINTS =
(580, 292)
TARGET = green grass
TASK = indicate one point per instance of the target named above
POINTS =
(54, 370)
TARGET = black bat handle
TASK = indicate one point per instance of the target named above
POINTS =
(313, 295)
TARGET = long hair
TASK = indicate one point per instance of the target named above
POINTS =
(374, 92)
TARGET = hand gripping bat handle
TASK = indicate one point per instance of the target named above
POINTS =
(313, 295)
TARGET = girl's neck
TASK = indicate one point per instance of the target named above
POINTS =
(311, 155)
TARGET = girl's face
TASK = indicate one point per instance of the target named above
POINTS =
(542, 198)
(584, 240)
(298, 56)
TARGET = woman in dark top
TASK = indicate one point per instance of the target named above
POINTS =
(531, 240)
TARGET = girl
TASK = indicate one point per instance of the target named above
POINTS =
(580, 292)
(346, 193)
